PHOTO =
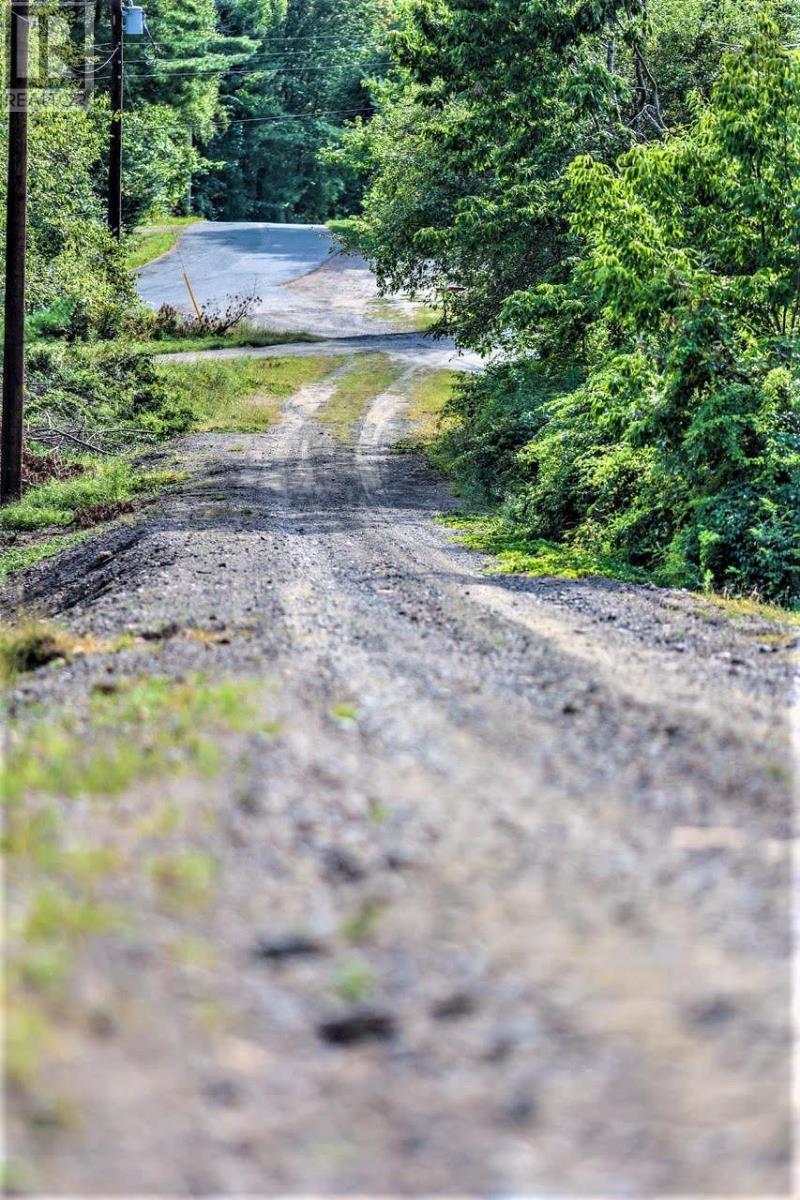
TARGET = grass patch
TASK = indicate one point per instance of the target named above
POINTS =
(243, 395)
(517, 553)
(419, 316)
(106, 487)
(384, 309)
(429, 396)
(244, 337)
(17, 558)
(426, 316)
(751, 608)
(366, 379)
(31, 644)
(152, 241)
(143, 729)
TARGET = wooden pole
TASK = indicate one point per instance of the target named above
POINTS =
(11, 433)
(117, 105)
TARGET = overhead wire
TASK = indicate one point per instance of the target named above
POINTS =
(330, 112)
(224, 73)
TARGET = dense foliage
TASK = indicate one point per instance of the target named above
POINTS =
(285, 103)
(624, 224)
(228, 106)
(106, 392)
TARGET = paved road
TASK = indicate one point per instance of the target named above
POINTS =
(228, 258)
(302, 283)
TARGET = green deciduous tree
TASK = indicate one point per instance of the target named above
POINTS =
(618, 209)
(286, 102)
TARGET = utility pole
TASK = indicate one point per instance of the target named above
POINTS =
(11, 432)
(117, 105)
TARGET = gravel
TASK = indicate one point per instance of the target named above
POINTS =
(503, 907)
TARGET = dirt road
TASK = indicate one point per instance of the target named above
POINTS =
(500, 894)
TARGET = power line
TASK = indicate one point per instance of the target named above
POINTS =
(304, 55)
(314, 37)
(221, 72)
(330, 112)
(291, 52)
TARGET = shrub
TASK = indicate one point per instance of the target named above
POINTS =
(213, 320)
(107, 394)
(679, 450)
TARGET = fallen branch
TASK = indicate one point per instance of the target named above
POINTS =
(42, 435)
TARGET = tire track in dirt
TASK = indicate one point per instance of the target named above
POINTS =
(581, 1004)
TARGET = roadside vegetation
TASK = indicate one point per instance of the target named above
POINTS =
(602, 198)
(154, 240)
(18, 555)
(96, 490)
(622, 222)
(133, 407)
(242, 337)
(429, 400)
(242, 395)
(619, 223)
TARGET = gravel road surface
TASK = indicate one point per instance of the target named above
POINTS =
(415, 349)
(502, 902)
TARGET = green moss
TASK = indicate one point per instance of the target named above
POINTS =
(243, 394)
(369, 376)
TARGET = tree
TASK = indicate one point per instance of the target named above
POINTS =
(286, 103)
(488, 107)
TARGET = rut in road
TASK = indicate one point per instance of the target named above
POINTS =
(501, 888)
